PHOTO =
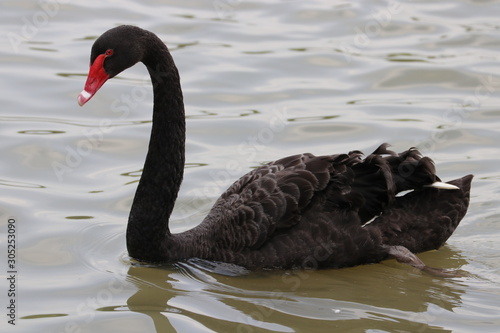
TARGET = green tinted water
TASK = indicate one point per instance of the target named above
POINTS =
(261, 80)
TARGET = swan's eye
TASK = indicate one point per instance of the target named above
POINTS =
(109, 52)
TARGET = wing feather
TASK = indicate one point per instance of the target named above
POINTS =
(276, 196)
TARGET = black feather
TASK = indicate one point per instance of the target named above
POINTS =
(299, 211)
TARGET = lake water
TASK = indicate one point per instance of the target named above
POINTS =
(262, 80)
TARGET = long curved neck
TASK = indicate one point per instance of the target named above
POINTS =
(147, 230)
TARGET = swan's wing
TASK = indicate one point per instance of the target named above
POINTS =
(276, 196)
(272, 197)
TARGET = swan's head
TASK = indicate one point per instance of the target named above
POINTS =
(114, 51)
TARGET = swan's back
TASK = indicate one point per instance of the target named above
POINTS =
(300, 211)
(311, 211)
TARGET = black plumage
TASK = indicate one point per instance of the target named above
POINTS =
(301, 211)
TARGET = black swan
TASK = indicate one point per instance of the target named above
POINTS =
(301, 211)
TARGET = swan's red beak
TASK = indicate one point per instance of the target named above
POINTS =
(96, 78)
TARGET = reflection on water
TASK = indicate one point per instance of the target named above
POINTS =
(331, 77)
(272, 300)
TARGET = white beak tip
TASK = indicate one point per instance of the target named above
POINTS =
(84, 97)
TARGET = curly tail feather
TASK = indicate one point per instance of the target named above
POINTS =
(384, 173)
(424, 219)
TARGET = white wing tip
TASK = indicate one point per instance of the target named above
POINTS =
(443, 186)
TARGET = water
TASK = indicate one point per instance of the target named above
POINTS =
(261, 80)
